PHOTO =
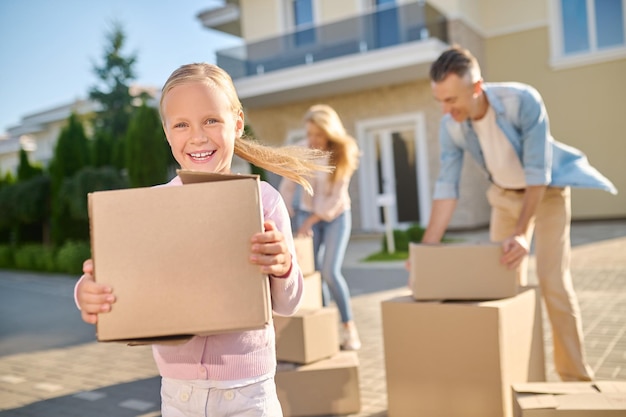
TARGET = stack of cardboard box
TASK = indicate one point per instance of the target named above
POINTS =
(138, 249)
(465, 334)
(313, 377)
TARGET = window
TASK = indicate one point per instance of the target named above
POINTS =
(586, 31)
(302, 11)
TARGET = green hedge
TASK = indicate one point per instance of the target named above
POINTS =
(35, 257)
(71, 256)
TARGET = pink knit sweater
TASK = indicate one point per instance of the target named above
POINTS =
(238, 355)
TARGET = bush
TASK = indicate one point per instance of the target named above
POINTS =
(400, 240)
(415, 233)
(71, 256)
(6, 257)
(34, 257)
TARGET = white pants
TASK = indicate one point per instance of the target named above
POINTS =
(201, 399)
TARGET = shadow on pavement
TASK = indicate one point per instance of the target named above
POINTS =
(130, 399)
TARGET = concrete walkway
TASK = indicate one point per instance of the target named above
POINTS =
(98, 379)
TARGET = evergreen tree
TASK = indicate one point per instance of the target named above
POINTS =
(71, 154)
(146, 149)
(31, 206)
(115, 74)
(25, 170)
(102, 149)
(7, 209)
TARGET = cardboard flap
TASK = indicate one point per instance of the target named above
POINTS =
(592, 402)
(556, 388)
(537, 402)
(194, 177)
(343, 359)
(166, 340)
(611, 386)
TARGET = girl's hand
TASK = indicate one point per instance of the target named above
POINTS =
(93, 298)
(270, 251)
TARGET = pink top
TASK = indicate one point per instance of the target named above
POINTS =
(239, 355)
(329, 200)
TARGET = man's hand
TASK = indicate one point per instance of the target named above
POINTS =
(515, 248)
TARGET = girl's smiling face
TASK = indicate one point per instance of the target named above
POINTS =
(201, 127)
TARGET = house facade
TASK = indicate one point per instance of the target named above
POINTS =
(369, 59)
(37, 134)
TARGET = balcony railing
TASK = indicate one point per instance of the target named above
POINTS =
(383, 28)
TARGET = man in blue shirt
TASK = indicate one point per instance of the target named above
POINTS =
(504, 126)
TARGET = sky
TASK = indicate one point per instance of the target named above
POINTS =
(48, 48)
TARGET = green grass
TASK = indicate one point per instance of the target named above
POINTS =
(386, 256)
(401, 238)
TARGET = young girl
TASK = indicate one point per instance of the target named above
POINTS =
(327, 213)
(232, 373)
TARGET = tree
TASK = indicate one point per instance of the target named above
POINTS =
(25, 170)
(89, 179)
(146, 149)
(32, 209)
(29, 220)
(115, 74)
(71, 154)
(102, 145)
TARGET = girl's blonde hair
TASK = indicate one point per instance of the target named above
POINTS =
(293, 162)
(344, 152)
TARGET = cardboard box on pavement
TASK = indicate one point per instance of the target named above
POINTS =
(305, 254)
(312, 292)
(307, 336)
(460, 272)
(460, 358)
(326, 387)
(177, 258)
(570, 399)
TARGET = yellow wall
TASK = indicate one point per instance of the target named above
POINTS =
(488, 16)
(499, 15)
(332, 10)
(260, 19)
(271, 124)
(585, 105)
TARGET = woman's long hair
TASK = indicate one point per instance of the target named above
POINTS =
(344, 152)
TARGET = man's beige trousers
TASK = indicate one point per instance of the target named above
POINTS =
(552, 254)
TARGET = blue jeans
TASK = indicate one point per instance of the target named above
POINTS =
(330, 240)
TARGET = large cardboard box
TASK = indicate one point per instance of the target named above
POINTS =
(307, 336)
(570, 399)
(460, 271)
(311, 292)
(177, 258)
(326, 387)
(460, 358)
(305, 254)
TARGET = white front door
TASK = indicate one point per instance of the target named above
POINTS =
(393, 172)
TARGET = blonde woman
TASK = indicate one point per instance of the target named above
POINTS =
(327, 215)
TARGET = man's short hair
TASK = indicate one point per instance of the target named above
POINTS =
(455, 60)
